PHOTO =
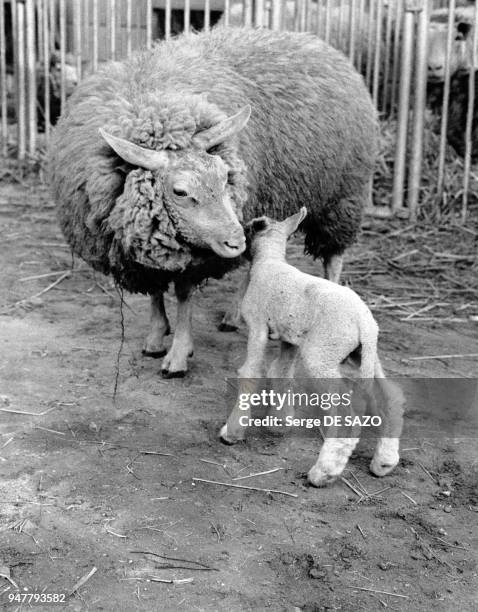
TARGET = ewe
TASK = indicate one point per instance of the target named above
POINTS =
(155, 162)
(320, 322)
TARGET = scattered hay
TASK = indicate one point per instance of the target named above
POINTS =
(432, 206)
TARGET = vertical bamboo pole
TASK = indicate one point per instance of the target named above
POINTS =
(308, 27)
(21, 105)
(352, 29)
(259, 13)
(167, 20)
(396, 54)
(95, 36)
(207, 15)
(62, 53)
(339, 23)
(276, 14)
(370, 43)
(387, 57)
(112, 29)
(31, 76)
(247, 13)
(377, 52)
(327, 21)
(149, 24)
(421, 66)
(3, 80)
(77, 35)
(52, 23)
(187, 14)
(469, 121)
(39, 29)
(404, 97)
(46, 71)
(85, 49)
(361, 32)
(446, 99)
(129, 28)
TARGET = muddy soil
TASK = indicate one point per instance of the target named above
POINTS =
(91, 483)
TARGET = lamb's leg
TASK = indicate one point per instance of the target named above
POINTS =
(335, 451)
(251, 370)
(284, 365)
(232, 318)
(333, 458)
(175, 364)
(386, 455)
(153, 346)
(333, 267)
(283, 368)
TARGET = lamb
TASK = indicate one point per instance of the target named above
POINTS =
(318, 321)
(155, 163)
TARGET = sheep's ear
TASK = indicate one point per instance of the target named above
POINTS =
(134, 154)
(292, 223)
(223, 130)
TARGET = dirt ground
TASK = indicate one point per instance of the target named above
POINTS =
(92, 484)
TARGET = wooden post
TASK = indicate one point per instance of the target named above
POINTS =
(421, 67)
(403, 108)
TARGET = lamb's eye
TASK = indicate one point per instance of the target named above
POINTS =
(180, 193)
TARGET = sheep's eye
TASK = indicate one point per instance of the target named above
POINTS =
(180, 193)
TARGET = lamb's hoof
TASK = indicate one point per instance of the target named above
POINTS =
(227, 327)
(225, 438)
(319, 478)
(169, 374)
(154, 354)
(381, 467)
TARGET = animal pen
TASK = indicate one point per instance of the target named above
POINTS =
(387, 40)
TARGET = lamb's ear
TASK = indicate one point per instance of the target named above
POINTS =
(292, 223)
(223, 130)
(134, 154)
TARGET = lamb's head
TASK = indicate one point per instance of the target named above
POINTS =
(267, 237)
(190, 187)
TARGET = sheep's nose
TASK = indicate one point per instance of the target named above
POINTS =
(435, 69)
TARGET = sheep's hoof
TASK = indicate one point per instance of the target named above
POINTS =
(382, 468)
(227, 439)
(227, 327)
(154, 354)
(318, 478)
(170, 374)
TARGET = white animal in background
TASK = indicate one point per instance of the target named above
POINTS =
(320, 322)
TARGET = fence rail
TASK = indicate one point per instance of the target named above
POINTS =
(47, 46)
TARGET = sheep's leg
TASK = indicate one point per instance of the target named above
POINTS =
(333, 267)
(232, 318)
(175, 364)
(154, 343)
(234, 430)
(386, 455)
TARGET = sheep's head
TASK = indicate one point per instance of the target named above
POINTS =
(462, 43)
(191, 186)
(265, 235)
